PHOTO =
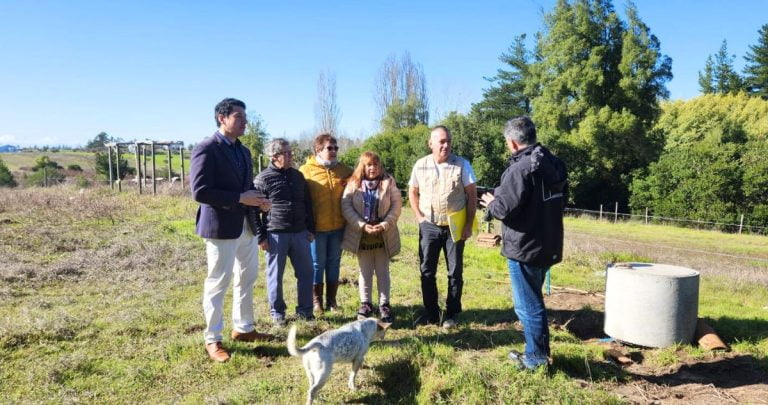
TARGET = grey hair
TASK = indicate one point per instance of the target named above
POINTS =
(521, 130)
(276, 146)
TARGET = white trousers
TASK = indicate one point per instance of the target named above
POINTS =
(228, 257)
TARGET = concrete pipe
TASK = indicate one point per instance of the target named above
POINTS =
(652, 305)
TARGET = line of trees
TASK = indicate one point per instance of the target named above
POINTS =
(720, 76)
(595, 84)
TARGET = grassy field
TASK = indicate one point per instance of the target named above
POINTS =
(17, 162)
(100, 301)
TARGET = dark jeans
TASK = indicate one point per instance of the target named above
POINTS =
(432, 240)
(527, 281)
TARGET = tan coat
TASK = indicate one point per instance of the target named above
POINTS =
(390, 205)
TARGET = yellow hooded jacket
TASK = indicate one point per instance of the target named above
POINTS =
(325, 188)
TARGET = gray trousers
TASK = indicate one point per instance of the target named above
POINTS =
(282, 246)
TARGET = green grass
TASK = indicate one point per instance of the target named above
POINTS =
(17, 161)
(100, 301)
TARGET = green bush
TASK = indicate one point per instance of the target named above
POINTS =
(45, 177)
(74, 168)
(6, 177)
(82, 181)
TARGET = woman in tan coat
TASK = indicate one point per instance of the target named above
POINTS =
(371, 205)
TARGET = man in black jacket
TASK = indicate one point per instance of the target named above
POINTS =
(287, 230)
(530, 202)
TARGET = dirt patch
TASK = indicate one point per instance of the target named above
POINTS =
(727, 377)
(580, 313)
(720, 378)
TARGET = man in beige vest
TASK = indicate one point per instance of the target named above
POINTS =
(441, 183)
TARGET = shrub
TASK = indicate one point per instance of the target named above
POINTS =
(44, 177)
(82, 181)
(6, 177)
(75, 168)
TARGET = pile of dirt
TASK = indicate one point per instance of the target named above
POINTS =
(719, 378)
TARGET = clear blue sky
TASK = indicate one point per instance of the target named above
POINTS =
(155, 69)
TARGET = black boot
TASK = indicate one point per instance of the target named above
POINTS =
(330, 303)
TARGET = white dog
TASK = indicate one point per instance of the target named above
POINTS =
(348, 343)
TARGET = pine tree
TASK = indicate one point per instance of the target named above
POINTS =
(507, 97)
(706, 78)
(756, 70)
(597, 81)
(719, 75)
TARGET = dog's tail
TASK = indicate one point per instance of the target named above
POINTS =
(291, 343)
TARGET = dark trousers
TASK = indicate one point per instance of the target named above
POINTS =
(432, 240)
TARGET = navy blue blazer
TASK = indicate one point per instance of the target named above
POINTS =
(216, 184)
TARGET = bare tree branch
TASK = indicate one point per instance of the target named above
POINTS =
(327, 114)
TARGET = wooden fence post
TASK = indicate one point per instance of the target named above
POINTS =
(646, 215)
(138, 166)
(117, 165)
(109, 164)
(601, 211)
(181, 155)
(154, 167)
(616, 212)
(741, 223)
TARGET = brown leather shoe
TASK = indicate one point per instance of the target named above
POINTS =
(251, 336)
(216, 352)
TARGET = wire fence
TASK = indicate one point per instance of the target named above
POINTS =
(615, 216)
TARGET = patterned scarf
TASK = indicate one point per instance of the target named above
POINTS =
(371, 200)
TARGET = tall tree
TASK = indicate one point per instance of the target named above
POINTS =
(400, 93)
(507, 96)
(327, 114)
(719, 75)
(713, 166)
(756, 70)
(97, 143)
(254, 138)
(597, 82)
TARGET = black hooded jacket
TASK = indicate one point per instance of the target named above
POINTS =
(530, 202)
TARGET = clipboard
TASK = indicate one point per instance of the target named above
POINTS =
(456, 222)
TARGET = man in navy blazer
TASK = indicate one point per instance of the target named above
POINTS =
(222, 182)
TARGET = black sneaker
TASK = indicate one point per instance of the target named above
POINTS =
(386, 313)
(426, 319)
(365, 311)
(305, 317)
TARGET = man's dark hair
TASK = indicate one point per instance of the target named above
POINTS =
(521, 130)
(225, 107)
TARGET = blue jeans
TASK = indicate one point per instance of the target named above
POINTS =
(527, 281)
(293, 245)
(326, 256)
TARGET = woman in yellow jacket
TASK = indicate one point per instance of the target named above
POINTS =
(371, 205)
(326, 177)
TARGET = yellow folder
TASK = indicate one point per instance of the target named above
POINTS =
(456, 222)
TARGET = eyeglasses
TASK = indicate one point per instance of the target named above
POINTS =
(287, 153)
(331, 148)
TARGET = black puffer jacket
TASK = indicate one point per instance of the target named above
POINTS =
(291, 205)
(530, 202)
